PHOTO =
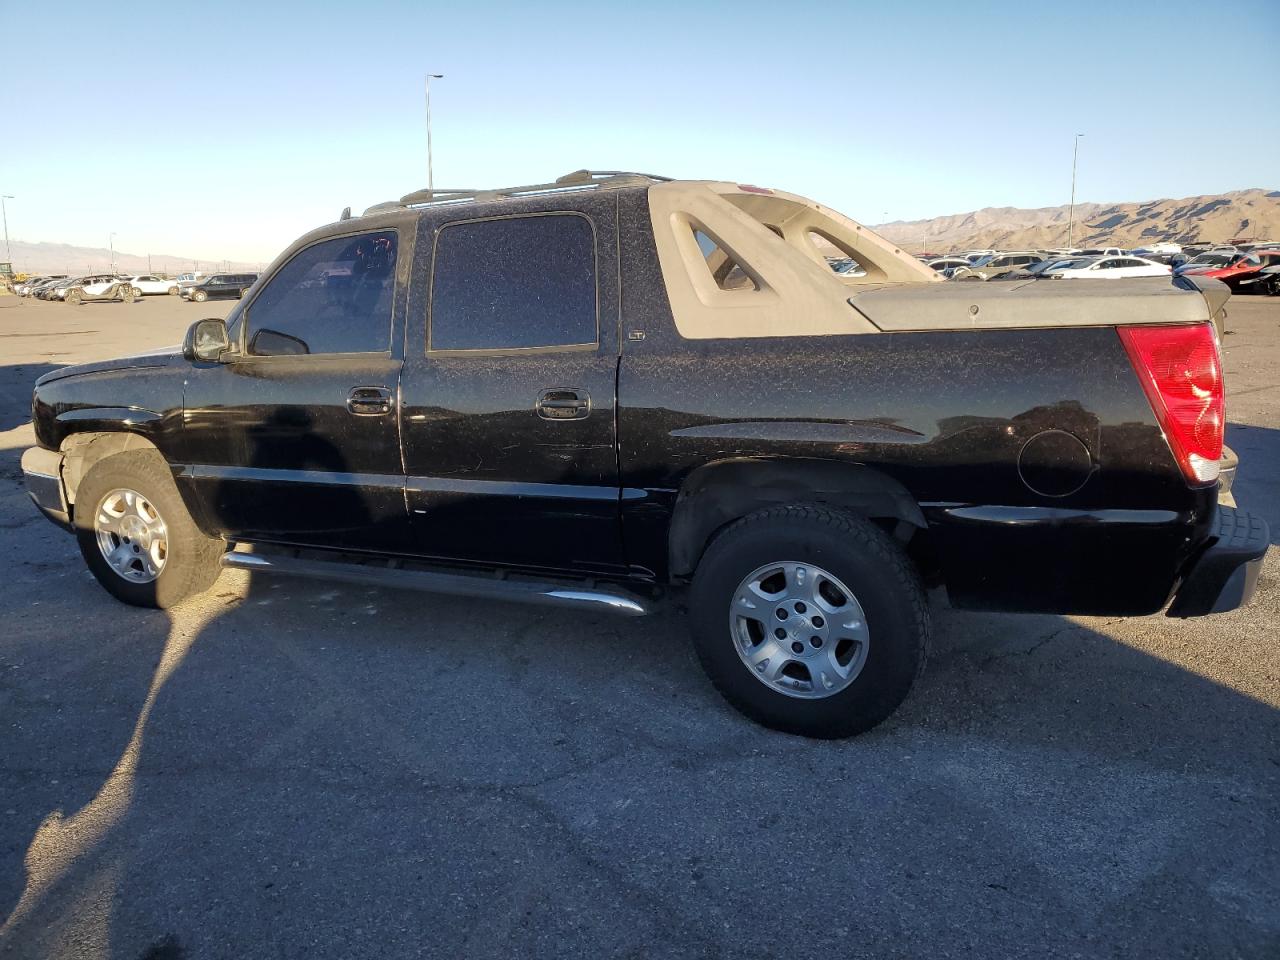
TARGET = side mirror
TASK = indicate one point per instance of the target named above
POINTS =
(206, 341)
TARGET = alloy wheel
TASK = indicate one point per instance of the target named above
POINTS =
(132, 535)
(798, 629)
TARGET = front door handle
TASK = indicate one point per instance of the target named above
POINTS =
(369, 401)
(563, 403)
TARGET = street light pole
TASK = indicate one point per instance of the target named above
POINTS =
(1071, 214)
(430, 172)
(5, 214)
(111, 242)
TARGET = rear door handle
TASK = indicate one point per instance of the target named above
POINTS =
(563, 403)
(369, 401)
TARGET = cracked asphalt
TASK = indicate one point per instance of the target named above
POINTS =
(290, 769)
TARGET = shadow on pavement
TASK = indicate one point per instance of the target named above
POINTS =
(1257, 483)
(16, 383)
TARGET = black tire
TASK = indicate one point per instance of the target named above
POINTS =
(199, 296)
(874, 568)
(75, 297)
(173, 291)
(192, 563)
(127, 295)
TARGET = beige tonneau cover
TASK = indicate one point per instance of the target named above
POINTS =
(1038, 303)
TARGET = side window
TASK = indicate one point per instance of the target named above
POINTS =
(332, 297)
(514, 282)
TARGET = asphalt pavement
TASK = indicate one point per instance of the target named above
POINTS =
(284, 768)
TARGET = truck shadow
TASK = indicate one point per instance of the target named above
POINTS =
(16, 383)
(1257, 483)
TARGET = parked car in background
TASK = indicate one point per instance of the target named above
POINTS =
(25, 287)
(847, 267)
(1151, 249)
(100, 288)
(1102, 252)
(1206, 260)
(1243, 272)
(1269, 282)
(186, 280)
(37, 289)
(58, 291)
(1037, 271)
(943, 264)
(1109, 268)
(148, 285)
(984, 268)
(220, 286)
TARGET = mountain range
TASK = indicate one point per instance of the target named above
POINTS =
(53, 258)
(1239, 215)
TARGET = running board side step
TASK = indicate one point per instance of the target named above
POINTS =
(581, 597)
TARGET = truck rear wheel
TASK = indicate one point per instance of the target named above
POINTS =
(809, 620)
(136, 535)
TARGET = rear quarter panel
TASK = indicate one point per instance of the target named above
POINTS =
(947, 415)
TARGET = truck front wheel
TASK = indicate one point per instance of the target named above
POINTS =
(809, 620)
(136, 535)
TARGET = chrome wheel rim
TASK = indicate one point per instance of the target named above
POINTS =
(131, 535)
(799, 630)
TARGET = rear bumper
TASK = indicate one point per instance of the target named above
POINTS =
(1225, 575)
(42, 473)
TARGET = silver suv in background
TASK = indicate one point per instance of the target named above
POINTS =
(993, 265)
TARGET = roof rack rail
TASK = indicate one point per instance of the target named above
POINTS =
(577, 180)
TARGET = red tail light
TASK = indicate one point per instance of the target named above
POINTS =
(1181, 372)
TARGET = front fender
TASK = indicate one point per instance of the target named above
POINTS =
(142, 400)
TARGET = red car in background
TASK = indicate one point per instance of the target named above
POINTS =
(1243, 272)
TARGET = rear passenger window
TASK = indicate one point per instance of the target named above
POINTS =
(332, 297)
(514, 283)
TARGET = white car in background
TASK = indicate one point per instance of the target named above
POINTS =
(1109, 268)
(148, 285)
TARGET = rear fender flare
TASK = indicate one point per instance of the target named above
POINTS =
(716, 494)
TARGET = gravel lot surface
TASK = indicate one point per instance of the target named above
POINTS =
(285, 768)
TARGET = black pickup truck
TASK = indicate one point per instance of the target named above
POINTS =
(590, 392)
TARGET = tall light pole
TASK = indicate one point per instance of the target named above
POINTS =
(5, 214)
(1071, 211)
(430, 173)
(111, 242)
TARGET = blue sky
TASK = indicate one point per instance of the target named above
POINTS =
(226, 130)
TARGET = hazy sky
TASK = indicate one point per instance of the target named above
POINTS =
(228, 129)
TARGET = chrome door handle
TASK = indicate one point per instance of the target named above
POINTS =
(369, 401)
(563, 404)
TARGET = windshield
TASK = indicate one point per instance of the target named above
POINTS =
(983, 261)
(1211, 259)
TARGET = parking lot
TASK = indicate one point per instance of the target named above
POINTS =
(299, 769)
